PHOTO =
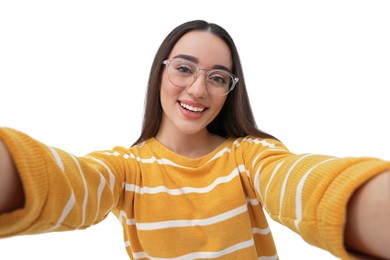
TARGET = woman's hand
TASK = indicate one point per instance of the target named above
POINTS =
(11, 190)
(368, 221)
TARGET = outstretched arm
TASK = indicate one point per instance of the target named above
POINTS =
(11, 190)
(368, 221)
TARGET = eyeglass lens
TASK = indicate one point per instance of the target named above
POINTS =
(184, 74)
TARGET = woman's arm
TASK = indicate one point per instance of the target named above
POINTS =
(11, 190)
(368, 221)
(53, 190)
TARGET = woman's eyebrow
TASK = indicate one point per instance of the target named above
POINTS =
(187, 57)
(196, 60)
(221, 67)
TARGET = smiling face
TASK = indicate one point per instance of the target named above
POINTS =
(189, 110)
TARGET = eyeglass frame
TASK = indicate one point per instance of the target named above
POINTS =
(235, 79)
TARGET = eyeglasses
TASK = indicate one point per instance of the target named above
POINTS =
(183, 73)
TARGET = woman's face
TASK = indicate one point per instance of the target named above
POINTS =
(189, 110)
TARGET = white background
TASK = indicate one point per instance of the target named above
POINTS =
(73, 75)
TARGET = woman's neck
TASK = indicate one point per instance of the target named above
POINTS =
(191, 146)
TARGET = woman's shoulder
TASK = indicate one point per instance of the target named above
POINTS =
(148, 144)
(256, 143)
(252, 139)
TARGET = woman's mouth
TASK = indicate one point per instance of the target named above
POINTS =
(192, 108)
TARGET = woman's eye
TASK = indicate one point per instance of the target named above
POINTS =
(184, 69)
(218, 79)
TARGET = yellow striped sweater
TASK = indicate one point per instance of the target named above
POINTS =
(171, 206)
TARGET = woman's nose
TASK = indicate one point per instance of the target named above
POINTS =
(198, 89)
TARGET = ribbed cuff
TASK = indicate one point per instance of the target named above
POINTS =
(332, 211)
(26, 153)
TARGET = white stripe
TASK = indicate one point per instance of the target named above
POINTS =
(58, 158)
(127, 243)
(159, 161)
(99, 191)
(150, 160)
(268, 150)
(129, 221)
(65, 212)
(85, 190)
(112, 176)
(197, 255)
(185, 190)
(253, 202)
(257, 157)
(192, 222)
(220, 153)
(285, 184)
(114, 153)
(247, 174)
(261, 231)
(274, 257)
(139, 255)
(269, 182)
(122, 214)
(263, 142)
(298, 197)
(257, 183)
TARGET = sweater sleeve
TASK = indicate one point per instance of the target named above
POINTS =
(62, 191)
(308, 193)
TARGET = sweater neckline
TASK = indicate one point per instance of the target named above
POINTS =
(184, 159)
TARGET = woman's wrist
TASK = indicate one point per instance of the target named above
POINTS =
(368, 227)
(11, 190)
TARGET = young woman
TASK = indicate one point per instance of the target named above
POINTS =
(196, 182)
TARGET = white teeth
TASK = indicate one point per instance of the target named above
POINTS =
(191, 108)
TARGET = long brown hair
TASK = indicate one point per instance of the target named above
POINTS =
(235, 118)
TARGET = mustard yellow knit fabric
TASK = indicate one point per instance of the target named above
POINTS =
(175, 207)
